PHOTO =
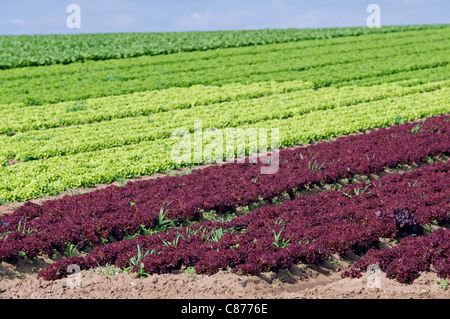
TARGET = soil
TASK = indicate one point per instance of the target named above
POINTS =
(299, 282)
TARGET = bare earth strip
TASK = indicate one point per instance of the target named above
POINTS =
(300, 282)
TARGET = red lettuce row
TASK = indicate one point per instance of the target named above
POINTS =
(412, 255)
(114, 212)
(306, 229)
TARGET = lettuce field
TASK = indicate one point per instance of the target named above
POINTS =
(363, 141)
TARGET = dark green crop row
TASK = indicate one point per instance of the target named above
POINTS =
(34, 50)
(191, 59)
(321, 65)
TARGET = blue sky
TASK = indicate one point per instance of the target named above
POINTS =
(49, 16)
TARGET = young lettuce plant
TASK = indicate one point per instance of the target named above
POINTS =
(280, 243)
(71, 250)
(162, 223)
(137, 261)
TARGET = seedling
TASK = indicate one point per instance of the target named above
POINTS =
(74, 191)
(216, 234)
(276, 202)
(190, 232)
(71, 250)
(22, 255)
(121, 181)
(443, 284)
(170, 174)
(191, 271)
(358, 191)
(227, 217)
(415, 183)
(280, 243)
(54, 255)
(212, 247)
(348, 195)
(307, 241)
(4, 235)
(173, 243)
(22, 228)
(141, 272)
(315, 166)
(162, 223)
(416, 129)
(105, 241)
(398, 120)
(276, 283)
(137, 261)
(245, 209)
(335, 187)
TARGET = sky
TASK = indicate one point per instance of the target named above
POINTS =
(104, 16)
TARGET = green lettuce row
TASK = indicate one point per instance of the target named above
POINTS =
(91, 81)
(21, 118)
(19, 51)
(63, 141)
(18, 118)
(191, 60)
(36, 178)
(136, 79)
(432, 73)
(358, 69)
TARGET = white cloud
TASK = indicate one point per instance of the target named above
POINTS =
(122, 20)
(323, 18)
(18, 22)
(204, 20)
(412, 2)
(53, 20)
